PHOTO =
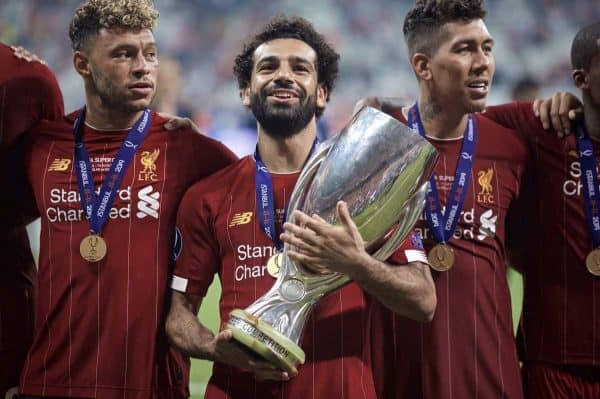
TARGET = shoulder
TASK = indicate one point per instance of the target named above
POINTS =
(518, 114)
(219, 184)
(21, 64)
(500, 141)
(189, 140)
(60, 129)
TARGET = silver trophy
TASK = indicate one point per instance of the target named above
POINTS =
(380, 168)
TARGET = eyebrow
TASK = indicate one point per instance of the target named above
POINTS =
(128, 46)
(293, 59)
(470, 41)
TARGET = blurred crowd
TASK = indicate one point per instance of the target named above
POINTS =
(198, 40)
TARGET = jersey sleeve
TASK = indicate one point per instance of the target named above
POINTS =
(410, 250)
(196, 251)
(25, 98)
(517, 116)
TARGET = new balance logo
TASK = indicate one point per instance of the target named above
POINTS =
(148, 204)
(59, 165)
(240, 218)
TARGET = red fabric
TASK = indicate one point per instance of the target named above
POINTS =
(560, 321)
(213, 242)
(100, 325)
(546, 381)
(28, 92)
(468, 350)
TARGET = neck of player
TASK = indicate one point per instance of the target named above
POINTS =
(592, 119)
(286, 154)
(440, 120)
(101, 117)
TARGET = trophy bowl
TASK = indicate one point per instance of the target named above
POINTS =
(380, 168)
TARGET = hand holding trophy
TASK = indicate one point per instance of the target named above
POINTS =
(380, 169)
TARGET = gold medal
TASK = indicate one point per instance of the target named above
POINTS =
(592, 261)
(441, 257)
(273, 265)
(93, 248)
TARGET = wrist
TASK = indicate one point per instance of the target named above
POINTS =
(363, 268)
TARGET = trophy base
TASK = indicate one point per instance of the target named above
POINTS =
(260, 338)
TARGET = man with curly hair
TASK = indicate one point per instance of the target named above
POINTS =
(21, 75)
(107, 181)
(285, 74)
(468, 351)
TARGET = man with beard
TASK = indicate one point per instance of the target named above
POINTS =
(107, 180)
(285, 74)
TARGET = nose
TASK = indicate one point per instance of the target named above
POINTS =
(141, 66)
(284, 73)
(483, 61)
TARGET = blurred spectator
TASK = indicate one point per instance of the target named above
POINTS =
(203, 34)
(525, 89)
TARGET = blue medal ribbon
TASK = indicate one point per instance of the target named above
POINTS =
(589, 180)
(442, 225)
(265, 199)
(97, 206)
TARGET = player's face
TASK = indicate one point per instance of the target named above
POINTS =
(123, 67)
(284, 90)
(463, 66)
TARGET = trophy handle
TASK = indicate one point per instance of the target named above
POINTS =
(406, 221)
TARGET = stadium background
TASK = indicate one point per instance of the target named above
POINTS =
(198, 40)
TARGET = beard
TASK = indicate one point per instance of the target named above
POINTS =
(112, 96)
(283, 120)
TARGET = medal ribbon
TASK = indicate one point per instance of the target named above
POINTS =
(442, 226)
(265, 199)
(97, 206)
(589, 179)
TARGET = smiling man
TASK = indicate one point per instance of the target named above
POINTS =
(107, 180)
(227, 221)
(468, 350)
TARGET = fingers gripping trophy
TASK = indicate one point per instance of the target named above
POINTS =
(380, 168)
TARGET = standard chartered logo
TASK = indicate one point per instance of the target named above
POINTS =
(65, 205)
(468, 229)
(488, 225)
(148, 204)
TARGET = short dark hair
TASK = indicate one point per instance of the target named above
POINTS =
(423, 24)
(94, 15)
(282, 27)
(586, 45)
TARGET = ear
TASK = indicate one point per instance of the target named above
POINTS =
(421, 66)
(245, 96)
(580, 78)
(321, 95)
(81, 63)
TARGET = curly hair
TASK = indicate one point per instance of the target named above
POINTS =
(281, 27)
(423, 24)
(94, 15)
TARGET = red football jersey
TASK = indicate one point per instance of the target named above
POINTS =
(99, 330)
(28, 93)
(468, 350)
(221, 235)
(560, 321)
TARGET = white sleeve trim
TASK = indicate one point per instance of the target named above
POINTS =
(179, 283)
(416, 255)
